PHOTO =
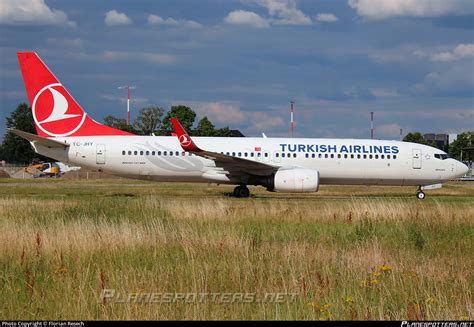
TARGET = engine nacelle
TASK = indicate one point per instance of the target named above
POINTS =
(296, 180)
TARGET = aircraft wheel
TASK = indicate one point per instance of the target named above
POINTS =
(420, 195)
(241, 191)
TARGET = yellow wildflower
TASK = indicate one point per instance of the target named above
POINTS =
(374, 282)
(350, 300)
(385, 268)
(377, 274)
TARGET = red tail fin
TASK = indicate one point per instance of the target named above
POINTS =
(55, 111)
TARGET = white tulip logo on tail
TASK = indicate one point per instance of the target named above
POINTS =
(184, 139)
(53, 114)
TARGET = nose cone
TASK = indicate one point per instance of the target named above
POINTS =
(461, 169)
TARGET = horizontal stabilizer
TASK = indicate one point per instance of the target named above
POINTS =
(39, 139)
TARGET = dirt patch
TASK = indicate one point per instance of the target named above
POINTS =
(4, 174)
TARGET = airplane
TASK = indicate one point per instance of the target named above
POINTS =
(67, 134)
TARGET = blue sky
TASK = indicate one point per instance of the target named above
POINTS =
(241, 62)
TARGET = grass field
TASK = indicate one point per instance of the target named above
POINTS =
(344, 253)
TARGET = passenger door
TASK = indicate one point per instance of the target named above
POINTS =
(416, 159)
(100, 154)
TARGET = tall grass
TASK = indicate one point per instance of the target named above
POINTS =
(348, 253)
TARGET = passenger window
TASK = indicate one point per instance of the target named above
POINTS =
(376, 156)
(266, 154)
(148, 153)
(339, 156)
(382, 156)
(245, 154)
(141, 153)
(233, 154)
(345, 156)
(123, 153)
(306, 155)
(165, 153)
(277, 155)
(259, 154)
(171, 153)
(240, 154)
(358, 156)
(388, 156)
(320, 156)
(332, 155)
(177, 153)
(352, 156)
(135, 152)
(152, 153)
(251, 154)
(326, 156)
(129, 153)
(365, 156)
(370, 156)
(394, 156)
(294, 155)
(313, 155)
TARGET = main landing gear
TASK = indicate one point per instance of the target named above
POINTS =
(241, 191)
(420, 194)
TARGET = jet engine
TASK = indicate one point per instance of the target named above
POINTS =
(296, 180)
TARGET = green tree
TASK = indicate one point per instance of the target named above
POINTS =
(184, 114)
(205, 128)
(416, 137)
(118, 123)
(148, 120)
(14, 148)
(464, 140)
(223, 132)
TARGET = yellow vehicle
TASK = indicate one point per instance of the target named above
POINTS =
(44, 169)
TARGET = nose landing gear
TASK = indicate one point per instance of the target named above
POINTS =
(241, 191)
(420, 194)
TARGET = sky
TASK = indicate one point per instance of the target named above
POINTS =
(241, 62)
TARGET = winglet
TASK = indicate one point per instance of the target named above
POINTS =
(184, 139)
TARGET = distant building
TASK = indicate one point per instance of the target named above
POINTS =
(440, 140)
(452, 138)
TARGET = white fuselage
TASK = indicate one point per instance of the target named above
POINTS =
(339, 161)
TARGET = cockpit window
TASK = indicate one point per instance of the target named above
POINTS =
(441, 156)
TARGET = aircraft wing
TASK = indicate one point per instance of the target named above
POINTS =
(39, 139)
(232, 164)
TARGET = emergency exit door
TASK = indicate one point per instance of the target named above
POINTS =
(100, 154)
(416, 159)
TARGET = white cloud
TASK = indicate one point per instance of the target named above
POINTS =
(31, 12)
(326, 18)
(455, 80)
(113, 18)
(222, 113)
(388, 130)
(242, 17)
(230, 114)
(459, 52)
(151, 57)
(158, 20)
(283, 12)
(383, 9)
